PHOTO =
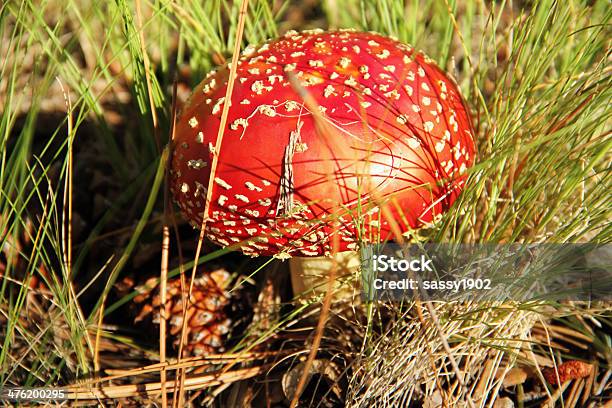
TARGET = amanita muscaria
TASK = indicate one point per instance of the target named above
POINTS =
(401, 138)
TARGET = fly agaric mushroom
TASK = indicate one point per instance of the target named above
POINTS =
(400, 136)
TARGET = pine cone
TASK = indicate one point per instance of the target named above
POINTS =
(207, 321)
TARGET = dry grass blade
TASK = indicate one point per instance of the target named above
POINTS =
(226, 359)
(165, 230)
(147, 68)
(150, 390)
(324, 130)
(66, 227)
(228, 97)
(331, 281)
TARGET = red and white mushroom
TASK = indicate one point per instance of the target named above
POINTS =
(401, 137)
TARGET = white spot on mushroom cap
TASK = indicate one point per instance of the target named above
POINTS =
(258, 87)
(266, 202)
(312, 237)
(442, 85)
(196, 164)
(383, 54)
(242, 198)
(252, 213)
(401, 119)
(282, 256)
(273, 78)
(248, 50)
(315, 63)
(414, 142)
(344, 62)
(267, 110)
(291, 106)
(350, 81)
(193, 122)
(329, 90)
(393, 94)
(222, 183)
(447, 165)
(252, 186)
(200, 189)
(217, 108)
(453, 122)
(239, 122)
(222, 241)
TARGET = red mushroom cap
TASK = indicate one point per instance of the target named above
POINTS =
(401, 136)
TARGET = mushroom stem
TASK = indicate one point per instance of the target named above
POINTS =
(309, 274)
